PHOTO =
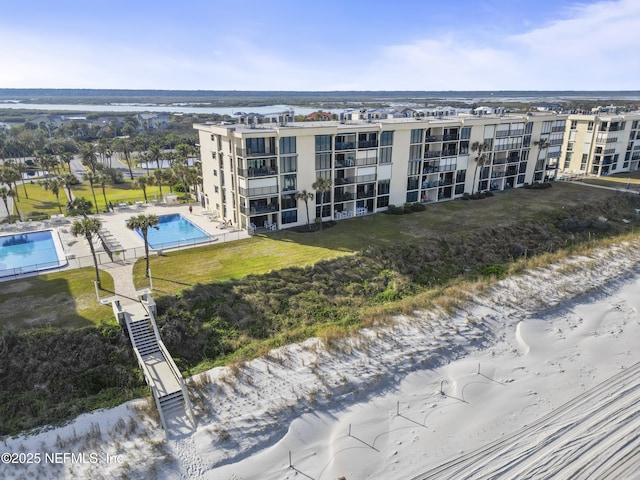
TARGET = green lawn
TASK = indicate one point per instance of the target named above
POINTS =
(40, 201)
(61, 299)
(262, 253)
(122, 192)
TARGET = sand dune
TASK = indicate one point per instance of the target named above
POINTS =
(540, 378)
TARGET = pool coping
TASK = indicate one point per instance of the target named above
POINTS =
(62, 261)
(207, 238)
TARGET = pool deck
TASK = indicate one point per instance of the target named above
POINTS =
(115, 224)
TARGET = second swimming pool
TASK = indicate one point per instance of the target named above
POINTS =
(175, 231)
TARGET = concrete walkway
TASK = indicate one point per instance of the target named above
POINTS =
(122, 274)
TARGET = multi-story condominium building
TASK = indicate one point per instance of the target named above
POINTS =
(252, 173)
(601, 144)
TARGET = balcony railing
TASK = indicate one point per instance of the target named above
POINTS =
(342, 180)
(345, 197)
(432, 153)
(345, 146)
(259, 209)
(433, 138)
(242, 152)
(367, 144)
(367, 194)
(450, 137)
(366, 161)
(257, 172)
(557, 129)
(256, 192)
(366, 178)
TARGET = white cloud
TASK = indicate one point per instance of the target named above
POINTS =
(594, 49)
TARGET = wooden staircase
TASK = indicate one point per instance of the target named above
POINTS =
(158, 368)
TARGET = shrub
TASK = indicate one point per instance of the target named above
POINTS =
(418, 207)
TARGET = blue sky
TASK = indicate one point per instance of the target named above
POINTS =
(321, 45)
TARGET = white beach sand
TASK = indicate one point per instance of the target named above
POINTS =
(539, 378)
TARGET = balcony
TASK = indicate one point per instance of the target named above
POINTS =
(342, 180)
(433, 138)
(345, 146)
(366, 178)
(257, 172)
(360, 162)
(450, 137)
(246, 153)
(257, 192)
(342, 197)
(366, 194)
(366, 144)
(432, 153)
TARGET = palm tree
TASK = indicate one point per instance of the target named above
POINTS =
(143, 222)
(306, 196)
(321, 185)
(88, 227)
(68, 179)
(54, 184)
(141, 183)
(92, 178)
(11, 176)
(123, 145)
(543, 145)
(4, 193)
(482, 159)
(90, 156)
(158, 178)
(155, 155)
(102, 180)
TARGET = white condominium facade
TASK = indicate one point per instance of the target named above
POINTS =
(601, 144)
(253, 175)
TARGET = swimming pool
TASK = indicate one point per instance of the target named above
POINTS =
(175, 231)
(22, 253)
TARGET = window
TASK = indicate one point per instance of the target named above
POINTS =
(385, 155)
(574, 124)
(521, 179)
(570, 146)
(287, 145)
(416, 135)
(546, 127)
(215, 172)
(323, 143)
(412, 197)
(522, 168)
(323, 161)
(528, 128)
(382, 202)
(415, 152)
(590, 126)
(465, 133)
(288, 183)
(290, 216)
(255, 145)
(583, 163)
(288, 202)
(216, 189)
(414, 168)
(459, 189)
(461, 175)
(288, 164)
(386, 139)
(412, 183)
(383, 187)
(567, 161)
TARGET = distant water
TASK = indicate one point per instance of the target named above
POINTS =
(127, 107)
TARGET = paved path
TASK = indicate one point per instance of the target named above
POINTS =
(122, 274)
